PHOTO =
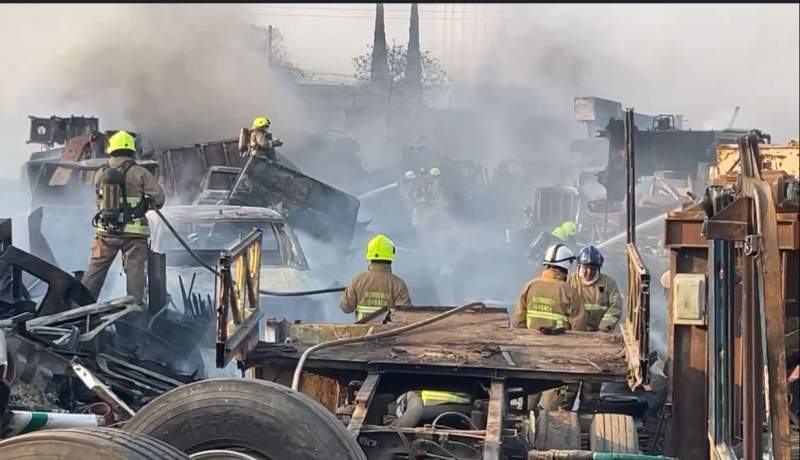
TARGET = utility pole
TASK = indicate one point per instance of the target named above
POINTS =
(462, 57)
(379, 71)
(269, 44)
(413, 57)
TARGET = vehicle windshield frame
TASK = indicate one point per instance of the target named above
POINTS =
(283, 250)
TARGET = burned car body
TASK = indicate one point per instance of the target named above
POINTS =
(217, 185)
(208, 229)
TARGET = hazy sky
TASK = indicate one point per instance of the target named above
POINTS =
(699, 60)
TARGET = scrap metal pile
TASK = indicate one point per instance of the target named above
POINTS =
(66, 352)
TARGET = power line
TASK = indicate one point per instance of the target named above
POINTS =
(426, 14)
(359, 10)
(325, 8)
(389, 18)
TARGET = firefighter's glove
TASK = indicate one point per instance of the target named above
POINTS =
(147, 202)
(553, 330)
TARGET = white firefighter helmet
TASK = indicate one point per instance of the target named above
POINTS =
(558, 255)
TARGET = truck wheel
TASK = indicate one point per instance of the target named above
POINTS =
(87, 444)
(255, 417)
(613, 433)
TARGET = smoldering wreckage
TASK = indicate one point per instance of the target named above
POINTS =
(235, 352)
(228, 281)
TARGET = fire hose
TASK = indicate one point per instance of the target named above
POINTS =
(392, 332)
(208, 267)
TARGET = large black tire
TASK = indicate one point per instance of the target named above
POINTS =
(261, 418)
(87, 444)
(613, 433)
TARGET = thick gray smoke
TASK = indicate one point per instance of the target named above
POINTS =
(699, 60)
(191, 73)
(179, 74)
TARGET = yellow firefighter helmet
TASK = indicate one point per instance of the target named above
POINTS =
(380, 248)
(121, 142)
(261, 122)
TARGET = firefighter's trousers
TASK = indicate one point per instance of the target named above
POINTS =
(134, 261)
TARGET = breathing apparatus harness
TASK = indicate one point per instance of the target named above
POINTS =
(115, 210)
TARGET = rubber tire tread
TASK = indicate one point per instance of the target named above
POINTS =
(613, 433)
(87, 444)
(264, 416)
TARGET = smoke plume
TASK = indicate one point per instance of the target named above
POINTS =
(179, 74)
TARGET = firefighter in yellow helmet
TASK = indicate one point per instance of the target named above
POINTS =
(564, 234)
(377, 287)
(124, 192)
(261, 123)
(566, 231)
(261, 142)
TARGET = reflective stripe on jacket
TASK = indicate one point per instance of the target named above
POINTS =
(138, 226)
(377, 287)
(366, 310)
(602, 301)
(548, 301)
(434, 397)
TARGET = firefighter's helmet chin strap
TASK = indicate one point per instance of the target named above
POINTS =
(555, 251)
(591, 281)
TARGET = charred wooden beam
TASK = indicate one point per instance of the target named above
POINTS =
(494, 421)
(363, 400)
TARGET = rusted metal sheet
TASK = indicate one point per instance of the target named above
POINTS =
(689, 381)
(764, 250)
(791, 288)
(683, 230)
(78, 148)
(324, 212)
(774, 156)
(181, 169)
(630, 175)
(362, 402)
(492, 449)
(788, 232)
(676, 150)
(236, 291)
(57, 130)
(688, 368)
(636, 328)
(752, 388)
(730, 224)
(757, 339)
(324, 390)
